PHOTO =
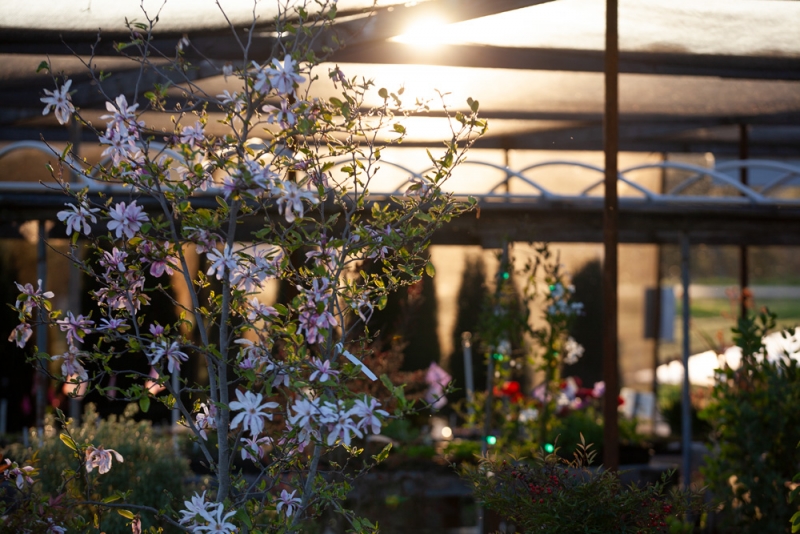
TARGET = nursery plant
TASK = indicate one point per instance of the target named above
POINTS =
(282, 194)
(755, 427)
(549, 494)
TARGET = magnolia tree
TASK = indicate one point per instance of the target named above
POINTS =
(292, 206)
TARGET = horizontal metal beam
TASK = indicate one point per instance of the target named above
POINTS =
(634, 138)
(580, 221)
(355, 29)
(497, 57)
(576, 220)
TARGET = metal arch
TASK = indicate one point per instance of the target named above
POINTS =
(713, 173)
(39, 146)
(748, 195)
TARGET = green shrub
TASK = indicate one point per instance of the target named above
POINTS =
(152, 471)
(550, 495)
(755, 430)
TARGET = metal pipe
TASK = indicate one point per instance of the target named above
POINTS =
(41, 328)
(744, 268)
(610, 241)
(466, 348)
(686, 406)
(75, 275)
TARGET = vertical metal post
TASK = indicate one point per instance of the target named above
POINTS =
(75, 276)
(41, 329)
(744, 269)
(469, 381)
(610, 241)
(686, 405)
(657, 312)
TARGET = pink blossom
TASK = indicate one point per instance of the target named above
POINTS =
(174, 356)
(323, 370)
(192, 135)
(368, 411)
(206, 419)
(289, 501)
(30, 296)
(252, 448)
(21, 475)
(114, 260)
(126, 219)
(71, 365)
(79, 218)
(101, 459)
(282, 78)
(75, 327)
(21, 334)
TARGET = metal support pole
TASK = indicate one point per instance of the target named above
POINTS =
(657, 311)
(686, 406)
(469, 381)
(610, 241)
(41, 329)
(75, 291)
(744, 269)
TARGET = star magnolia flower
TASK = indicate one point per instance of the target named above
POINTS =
(61, 101)
(79, 218)
(21, 475)
(251, 417)
(251, 450)
(126, 219)
(289, 501)
(174, 356)
(101, 459)
(30, 294)
(283, 77)
(52, 528)
(192, 135)
(75, 327)
(217, 523)
(71, 365)
(323, 370)
(367, 410)
(206, 419)
(197, 506)
(21, 334)
(221, 262)
(340, 424)
(291, 198)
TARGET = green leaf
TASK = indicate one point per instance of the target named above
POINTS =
(399, 128)
(144, 404)
(127, 514)
(68, 441)
(430, 270)
(381, 456)
(112, 498)
(244, 517)
(383, 93)
(44, 65)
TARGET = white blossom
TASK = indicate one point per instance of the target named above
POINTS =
(79, 218)
(61, 101)
(251, 416)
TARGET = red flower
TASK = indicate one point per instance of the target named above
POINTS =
(509, 389)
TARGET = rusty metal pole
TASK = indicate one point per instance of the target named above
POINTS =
(744, 281)
(610, 241)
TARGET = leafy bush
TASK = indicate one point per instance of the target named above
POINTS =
(151, 473)
(551, 495)
(755, 429)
